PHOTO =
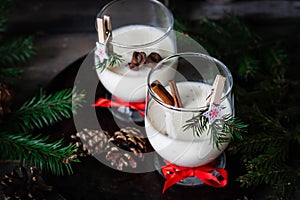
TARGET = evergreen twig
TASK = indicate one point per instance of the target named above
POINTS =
(16, 51)
(219, 130)
(113, 61)
(38, 151)
(8, 73)
(197, 123)
(4, 12)
(45, 110)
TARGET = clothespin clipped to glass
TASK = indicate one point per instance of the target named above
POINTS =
(216, 90)
(104, 29)
(214, 110)
(218, 87)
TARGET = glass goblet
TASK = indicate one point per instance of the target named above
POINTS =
(141, 35)
(188, 135)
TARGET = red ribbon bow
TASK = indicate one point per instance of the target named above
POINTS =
(174, 174)
(138, 106)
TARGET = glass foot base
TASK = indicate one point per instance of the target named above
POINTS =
(125, 113)
(189, 181)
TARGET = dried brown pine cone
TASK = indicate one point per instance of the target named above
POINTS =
(125, 148)
(90, 141)
(21, 185)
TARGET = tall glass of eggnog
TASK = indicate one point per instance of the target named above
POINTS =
(187, 134)
(141, 35)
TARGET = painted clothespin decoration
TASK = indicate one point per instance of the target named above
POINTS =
(214, 111)
(104, 29)
(104, 34)
(218, 87)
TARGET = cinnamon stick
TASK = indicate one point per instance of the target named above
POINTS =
(175, 94)
(161, 91)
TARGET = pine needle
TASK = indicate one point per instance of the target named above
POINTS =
(219, 130)
(16, 51)
(45, 110)
(9, 72)
(38, 151)
(113, 61)
(5, 6)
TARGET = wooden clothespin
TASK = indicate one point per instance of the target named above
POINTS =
(214, 109)
(104, 29)
(217, 89)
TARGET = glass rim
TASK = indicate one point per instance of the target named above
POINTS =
(197, 109)
(167, 32)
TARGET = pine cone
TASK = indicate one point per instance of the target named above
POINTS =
(130, 140)
(90, 141)
(25, 186)
(5, 100)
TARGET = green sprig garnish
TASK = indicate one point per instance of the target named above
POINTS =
(113, 61)
(219, 130)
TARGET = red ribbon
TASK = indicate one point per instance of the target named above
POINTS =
(138, 106)
(174, 174)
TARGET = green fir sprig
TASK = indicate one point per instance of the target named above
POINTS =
(9, 72)
(38, 151)
(198, 123)
(222, 130)
(18, 139)
(114, 59)
(45, 110)
(5, 6)
(16, 51)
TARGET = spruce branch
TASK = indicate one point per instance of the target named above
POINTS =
(234, 126)
(5, 6)
(197, 123)
(7, 73)
(280, 177)
(255, 144)
(113, 60)
(248, 67)
(219, 130)
(276, 57)
(38, 151)
(257, 177)
(45, 110)
(16, 51)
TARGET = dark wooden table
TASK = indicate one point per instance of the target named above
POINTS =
(94, 180)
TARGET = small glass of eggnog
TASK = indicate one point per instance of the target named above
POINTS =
(141, 35)
(184, 134)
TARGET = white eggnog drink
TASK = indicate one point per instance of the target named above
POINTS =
(164, 128)
(120, 80)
